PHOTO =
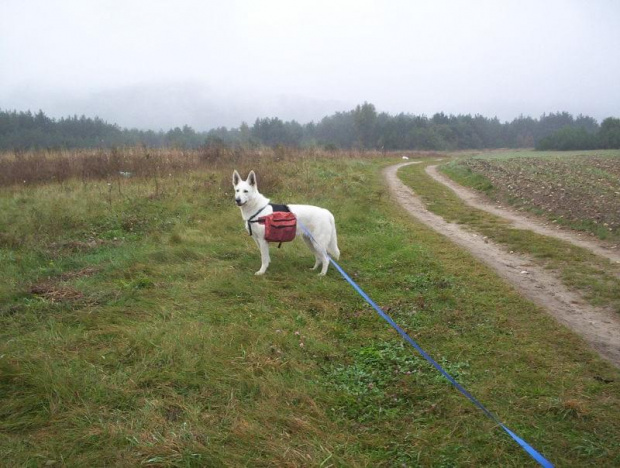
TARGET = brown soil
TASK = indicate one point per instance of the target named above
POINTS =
(600, 328)
(570, 190)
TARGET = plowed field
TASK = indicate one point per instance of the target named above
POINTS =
(580, 191)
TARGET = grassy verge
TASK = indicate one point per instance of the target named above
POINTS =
(133, 331)
(596, 278)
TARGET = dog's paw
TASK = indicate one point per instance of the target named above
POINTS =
(258, 273)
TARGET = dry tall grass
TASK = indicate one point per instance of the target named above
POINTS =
(44, 166)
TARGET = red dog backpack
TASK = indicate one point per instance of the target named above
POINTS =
(280, 226)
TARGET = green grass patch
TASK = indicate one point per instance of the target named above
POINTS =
(151, 342)
(465, 176)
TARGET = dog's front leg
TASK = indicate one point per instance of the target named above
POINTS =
(264, 256)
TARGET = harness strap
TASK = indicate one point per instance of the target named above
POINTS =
(251, 218)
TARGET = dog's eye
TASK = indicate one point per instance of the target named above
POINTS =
(245, 191)
(237, 190)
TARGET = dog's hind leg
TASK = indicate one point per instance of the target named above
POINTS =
(317, 257)
(325, 261)
(320, 254)
(321, 249)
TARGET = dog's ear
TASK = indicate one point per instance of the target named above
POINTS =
(252, 179)
(236, 177)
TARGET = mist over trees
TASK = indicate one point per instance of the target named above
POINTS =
(362, 127)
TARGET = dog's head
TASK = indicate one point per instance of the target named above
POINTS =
(244, 189)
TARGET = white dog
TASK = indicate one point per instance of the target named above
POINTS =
(318, 221)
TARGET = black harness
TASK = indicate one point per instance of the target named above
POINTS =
(275, 207)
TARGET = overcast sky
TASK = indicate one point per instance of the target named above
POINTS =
(157, 64)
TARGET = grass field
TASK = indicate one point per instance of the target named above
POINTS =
(134, 332)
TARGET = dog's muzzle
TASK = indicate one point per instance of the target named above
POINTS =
(238, 202)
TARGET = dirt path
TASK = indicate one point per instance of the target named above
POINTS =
(520, 221)
(600, 328)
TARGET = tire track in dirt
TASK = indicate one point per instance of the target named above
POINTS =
(599, 327)
(520, 221)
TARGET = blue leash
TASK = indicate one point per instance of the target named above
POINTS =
(527, 447)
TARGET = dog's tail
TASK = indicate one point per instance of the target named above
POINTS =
(332, 247)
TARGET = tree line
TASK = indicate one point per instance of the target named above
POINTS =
(362, 127)
(607, 136)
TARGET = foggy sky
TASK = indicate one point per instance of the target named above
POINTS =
(158, 64)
